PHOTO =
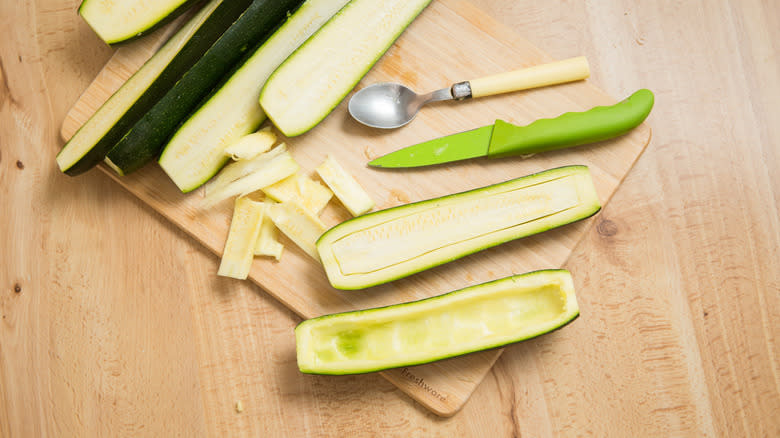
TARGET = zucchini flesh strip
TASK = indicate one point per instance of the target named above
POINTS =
(143, 89)
(148, 136)
(196, 152)
(251, 145)
(275, 169)
(239, 247)
(242, 168)
(267, 243)
(311, 82)
(385, 245)
(349, 192)
(118, 21)
(301, 189)
(476, 318)
(298, 225)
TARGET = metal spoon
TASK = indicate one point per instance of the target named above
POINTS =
(389, 105)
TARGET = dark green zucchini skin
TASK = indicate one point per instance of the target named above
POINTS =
(149, 135)
(219, 20)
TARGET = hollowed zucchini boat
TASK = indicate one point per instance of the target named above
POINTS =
(476, 318)
(389, 244)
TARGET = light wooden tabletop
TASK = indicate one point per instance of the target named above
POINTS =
(678, 280)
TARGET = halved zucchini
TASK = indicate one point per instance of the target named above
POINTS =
(117, 21)
(148, 136)
(136, 96)
(311, 82)
(196, 151)
(389, 244)
(476, 318)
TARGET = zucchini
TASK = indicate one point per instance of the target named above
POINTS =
(136, 96)
(242, 237)
(118, 21)
(389, 244)
(196, 152)
(267, 243)
(301, 189)
(311, 82)
(344, 186)
(251, 145)
(253, 175)
(488, 315)
(147, 137)
(241, 168)
(298, 225)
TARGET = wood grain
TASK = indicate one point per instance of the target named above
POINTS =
(431, 44)
(678, 280)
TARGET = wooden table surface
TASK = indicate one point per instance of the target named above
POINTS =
(678, 279)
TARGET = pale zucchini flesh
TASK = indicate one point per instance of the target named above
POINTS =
(275, 170)
(196, 151)
(267, 242)
(251, 145)
(301, 189)
(117, 21)
(476, 318)
(242, 236)
(298, 225)
(242, 168)
(389, 244)
(345, 187)
(314, 79)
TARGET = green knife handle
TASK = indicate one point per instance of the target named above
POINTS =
(571, 129)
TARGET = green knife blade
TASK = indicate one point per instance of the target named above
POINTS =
(505, 139)
(461, 146)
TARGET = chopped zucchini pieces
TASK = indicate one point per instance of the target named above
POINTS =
(344, 186)
(298, 225)
(302, 190)
(242, 168)
(267, 243)
(240, 244)
(244, 177)
(251, 145)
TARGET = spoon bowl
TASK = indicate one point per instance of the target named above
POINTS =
(386, 105)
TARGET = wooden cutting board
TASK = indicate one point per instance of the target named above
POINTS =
(451, 41)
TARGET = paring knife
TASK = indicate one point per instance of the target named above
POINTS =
(505, 139)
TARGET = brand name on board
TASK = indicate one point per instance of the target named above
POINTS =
(419, 381)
